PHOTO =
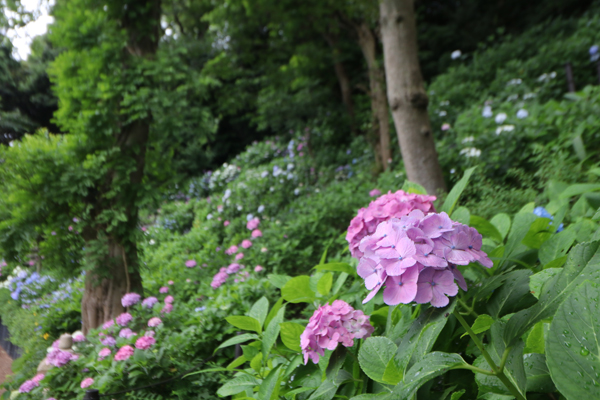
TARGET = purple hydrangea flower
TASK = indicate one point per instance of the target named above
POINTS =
(130, 299)
(124, 319)
(126, 333)
(149, 302)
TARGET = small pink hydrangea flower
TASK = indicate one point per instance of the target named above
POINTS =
(108, 341)
(190, 263)
(256, 233)
(374, 192)
(144, 343)
(28, 386)
(130, 299)
(219, 278)
(108, 324)
(233, 268)
(226, 223)
(171, 283)
(445, 126)
(105, 352)
(87, 382)
(124, 319)
(239, 256)
(154, 322)
(78, 337)
(246, 244)
(124, 353)
(258, 268)
(126, 333)
(149, 302)
(38, 378)
(331, 325)
(163, 289)
(232, 250)
(167, 308)
(253, 224)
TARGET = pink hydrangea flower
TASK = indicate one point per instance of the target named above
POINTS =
(124, 319)
(154, 322)
(374, 192)
(171, 283)
(253, 224)
(331, 325)
(149, 302)
(108, 324)
(150, 333)
(258, 268)
(167, 308)
(108, 341)
(105, 352)
(246, 244)
(169, 299)
(445, 126)
(190, 263)
(130, 299)
(144, 343)
(124, 353)
(163, 289)
(239, 256)
(38, 378)
(78, 337)
(415, 257)
(59, 358)
(232, 250)
(226, 223)
(28, 386)
(256, 233)
(219, 278)
(233, 268)
(87, 382)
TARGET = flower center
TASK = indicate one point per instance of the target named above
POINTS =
(433, 283)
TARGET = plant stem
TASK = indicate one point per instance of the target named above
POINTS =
(469, 309)
(475, 369)
(504, 358)
(496, 370)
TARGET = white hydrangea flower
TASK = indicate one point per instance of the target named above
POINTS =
(470, 152)
(487, 112)
(468, 139)
(522, 113)
(455, 54)
(261, 208)
(500, 118)
(504, 128)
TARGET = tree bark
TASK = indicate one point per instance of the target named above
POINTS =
(116, 271)
(343, 79)
(406, 94)
(379, 104)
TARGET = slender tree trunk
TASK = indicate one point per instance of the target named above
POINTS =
(379, 104)
(116, 272)
(343, 79)
(406, 94)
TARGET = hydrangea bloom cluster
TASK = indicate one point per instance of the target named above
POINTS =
(87, 382)
(105, 352)
(149, 302)
(130, 299)
(220, 278)
(190, 263)
(124, 319)
(59, 358)
(415, 258)
(154, 322)
(145, 342)
(124, 353)
(126, 333)
(391, 205)
(330, 325)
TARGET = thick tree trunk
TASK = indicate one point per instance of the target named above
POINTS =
(379, 104)
(406, 94)
(343, 79)
(116, 272)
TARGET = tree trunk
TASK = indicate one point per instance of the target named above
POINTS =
(406, 94)
(116, 271)
(343, 79)
(379, 104)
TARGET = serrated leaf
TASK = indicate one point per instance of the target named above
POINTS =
(325, 391)
(269, 388)
(513, 294)
(324, 285)
(290, 335)
(538, 376)
(297, 290)
(245, 323)
(536, 281)
(557, 246)
(454, 195)
(572, 350)
(374, 357)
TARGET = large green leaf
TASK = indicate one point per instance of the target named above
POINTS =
(511, 294)
(376, 355)
(557, 246)
(538, 376)
(269, 388)
(579, 188)
(290, 335)
(297, 290)
(539, 231)
(324, 284)
(583, 264)
(259, 310)
(432, 365)
(520, 226)
(481, 324)
(278, 280)
(502, 223)
(337, 267)
(573, 344)
(456, 191)
(487, 229)
(271, 333)
(537, 281)
(238, 384)
(324, 392)
(237, 339)
(245, 323)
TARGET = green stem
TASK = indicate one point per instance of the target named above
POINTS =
(496, 370)
(475, 369)
(504, 358)
(466, 307)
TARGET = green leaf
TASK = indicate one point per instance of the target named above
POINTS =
(557, 246)
(412, 187)
(238, 384)
(372, 396)
(324, 285)
(374, 357)
(462, 215)
(502, 223)
(274, 311)
(339, 282)
(481, 324)
(535, 339)
(487, 229)
(432, 365)
(457, 395)
(536, 281)
(520, 226)
(290, 335)
(538, 376)
(259, 310)
(271, 333)
(237, 339)
(572, 344)
(454, 195)
(554, 264)
(337, 267)
(269, 388)
(582, 264)
(237, 362)
(256, 362)
(297, 290)
(579, 188)
(512, 295)
(539, 232)
(324, 392)
(245, 323)
(278, 280)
